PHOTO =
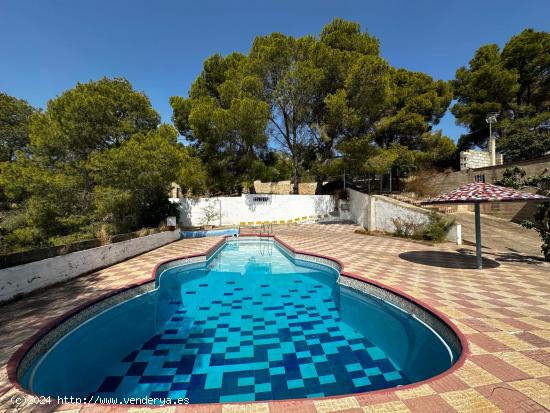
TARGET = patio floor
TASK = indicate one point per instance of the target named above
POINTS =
(504, 312)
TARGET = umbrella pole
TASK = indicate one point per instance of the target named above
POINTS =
(478, 237)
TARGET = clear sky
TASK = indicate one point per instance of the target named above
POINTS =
(159, 45)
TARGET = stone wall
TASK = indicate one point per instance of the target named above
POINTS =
(472, 159)
(284, 187)
(274, 188)
(25, 278)
(532, 167)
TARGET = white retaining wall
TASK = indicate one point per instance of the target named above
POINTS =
(253, 208)
(25, 278)
(359, 208)
(375, 213)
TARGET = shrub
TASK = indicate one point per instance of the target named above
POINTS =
(515, 178)
(436, 228)
(210, 213)
(405, 227)
(541, 224)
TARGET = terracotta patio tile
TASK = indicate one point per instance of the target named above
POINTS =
(434, 403)
(478, 324)
(525, 364)
(448, 383)
(334, 405)
(306, 406)
(535, 390)
(419, 391)
(390, 407)
(469, 401)
(151, 409)
(104, 409)
(199, 408)
(69, 408)
(475, 376)
(499, 368)
(246, 408)
(545, 334)
(365, 399)
(542, 356)
(488, 343)
(519, 324)
(510, 400)
(533, 317)
(510, 340)
(533, 339)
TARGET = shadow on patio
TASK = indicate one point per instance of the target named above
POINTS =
(464, 259)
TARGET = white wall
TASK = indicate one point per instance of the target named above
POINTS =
(359, 207)
(235, 210)
(376, 212)
(387, 209)
(25, 278)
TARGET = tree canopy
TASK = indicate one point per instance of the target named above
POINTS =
(308, 98)
(514, 83)
(14, 126)
(226, 121)
(92, 116)
(97, 162)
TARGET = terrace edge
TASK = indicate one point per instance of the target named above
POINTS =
(18, 356)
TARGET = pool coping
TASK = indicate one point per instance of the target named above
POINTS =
(19, 355)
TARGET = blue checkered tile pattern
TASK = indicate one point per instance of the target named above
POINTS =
(253, 325)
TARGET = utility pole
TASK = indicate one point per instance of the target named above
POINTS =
(344, 179)
(491, 147)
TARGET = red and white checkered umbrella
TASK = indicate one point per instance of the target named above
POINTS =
(481, 192)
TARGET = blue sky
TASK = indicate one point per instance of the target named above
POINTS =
(47, 46)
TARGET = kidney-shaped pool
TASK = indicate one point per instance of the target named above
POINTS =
(254, 321)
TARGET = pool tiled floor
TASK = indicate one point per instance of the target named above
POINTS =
(504, 312)
(237, 348)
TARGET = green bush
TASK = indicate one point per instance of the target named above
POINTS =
(516, 178)
(436, 228)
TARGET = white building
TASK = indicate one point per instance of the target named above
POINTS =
(471, 159)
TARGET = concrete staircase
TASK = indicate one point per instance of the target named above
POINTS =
(410, 198)
(499, 234)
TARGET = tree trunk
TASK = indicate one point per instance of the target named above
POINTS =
(295, 187)
(319, 186)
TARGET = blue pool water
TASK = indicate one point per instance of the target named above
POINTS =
(210, 233)
(250, 324)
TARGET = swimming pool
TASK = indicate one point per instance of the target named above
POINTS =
(233, 232)
(252, 322)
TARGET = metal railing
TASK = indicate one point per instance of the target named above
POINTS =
(266, 229)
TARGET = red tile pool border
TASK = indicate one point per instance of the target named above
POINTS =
(16, 357)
